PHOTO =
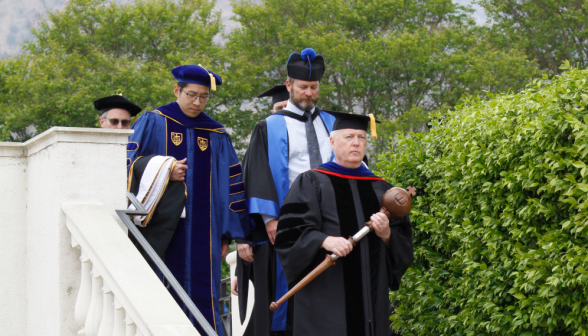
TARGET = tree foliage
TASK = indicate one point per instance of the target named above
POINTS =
(397, 59)
(94, 48)
(549, 31)
(500, 219)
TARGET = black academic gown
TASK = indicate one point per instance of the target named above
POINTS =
(350, 298)
(257, 177)
(160, 230)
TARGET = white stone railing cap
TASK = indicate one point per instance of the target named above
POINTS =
(65, 134)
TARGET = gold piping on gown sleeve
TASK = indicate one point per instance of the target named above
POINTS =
(129, 179)
(133, 150)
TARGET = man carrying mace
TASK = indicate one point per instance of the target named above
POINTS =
(324, 207)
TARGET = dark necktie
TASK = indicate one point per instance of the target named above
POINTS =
(314, 152)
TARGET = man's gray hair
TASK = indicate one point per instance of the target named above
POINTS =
(334, 134)
(104, 114)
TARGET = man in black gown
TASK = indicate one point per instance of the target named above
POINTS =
(244, 271)
(324, 207)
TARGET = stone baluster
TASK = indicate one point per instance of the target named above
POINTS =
(107, 323)
(119, 319)
(139, 333)
(95, 311)
(131, 326)
(85, 292)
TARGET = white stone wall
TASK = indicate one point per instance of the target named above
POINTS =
(39, 271)
(13, 248)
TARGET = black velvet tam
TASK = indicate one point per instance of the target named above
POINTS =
(306, 65)
(278, 93)
(111, 102)
(349, 120)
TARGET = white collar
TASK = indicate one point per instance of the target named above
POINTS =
(293, 108)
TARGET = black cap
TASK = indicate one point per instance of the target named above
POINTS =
(117, 101)
(354, 121)
(306, 66)
(278, 93)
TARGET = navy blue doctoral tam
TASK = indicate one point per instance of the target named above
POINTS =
(197, 74)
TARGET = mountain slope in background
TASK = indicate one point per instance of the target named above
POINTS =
(17, 17)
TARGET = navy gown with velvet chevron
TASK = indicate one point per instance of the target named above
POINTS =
(216, 208)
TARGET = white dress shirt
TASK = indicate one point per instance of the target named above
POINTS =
(298, 158)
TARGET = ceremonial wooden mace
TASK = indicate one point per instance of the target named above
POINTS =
(396, 203)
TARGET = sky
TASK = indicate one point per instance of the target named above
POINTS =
(18, 16)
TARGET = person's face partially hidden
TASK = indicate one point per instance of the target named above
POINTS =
(280, 106)
(349, 146)
(116, 118)
(303, 94)
(192, 98)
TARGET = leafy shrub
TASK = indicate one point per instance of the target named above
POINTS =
(500, 223)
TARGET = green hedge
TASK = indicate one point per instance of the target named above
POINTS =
(501, 218)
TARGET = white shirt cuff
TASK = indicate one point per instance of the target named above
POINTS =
(267, 218)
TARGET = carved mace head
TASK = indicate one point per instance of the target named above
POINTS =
(398, 201)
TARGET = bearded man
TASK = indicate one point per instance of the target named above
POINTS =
(284, 145)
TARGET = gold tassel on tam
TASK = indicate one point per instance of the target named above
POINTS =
(212, 79)
(373, 126)
(212, 82)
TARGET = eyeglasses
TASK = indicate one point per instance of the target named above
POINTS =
(114, 122)
(192, 97)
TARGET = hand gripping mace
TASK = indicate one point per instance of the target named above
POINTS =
(396, 203)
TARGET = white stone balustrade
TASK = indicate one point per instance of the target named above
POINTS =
(119, 292)
(101, 286)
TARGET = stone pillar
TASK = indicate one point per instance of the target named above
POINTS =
(65, 165)
(61, 165)
(13, 237)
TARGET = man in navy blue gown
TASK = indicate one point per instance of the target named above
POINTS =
(215, 206)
